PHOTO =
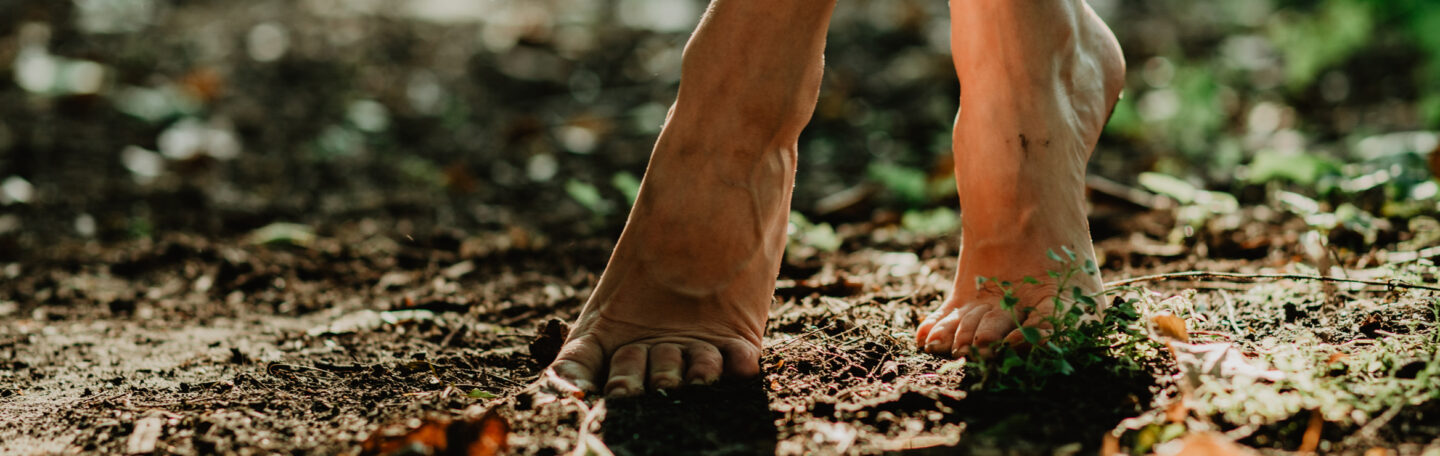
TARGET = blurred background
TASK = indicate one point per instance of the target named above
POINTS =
(127, 119)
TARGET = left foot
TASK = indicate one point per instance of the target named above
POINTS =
(1039, 78)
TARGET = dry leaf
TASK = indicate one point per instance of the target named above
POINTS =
(1178, 410)
(487, 436)
(1203, 444)
(1111, 445)
(1336, 357)
(590, 445)
(1311, 440)
(1170, 328)
(1200, 363)
(1434, 166)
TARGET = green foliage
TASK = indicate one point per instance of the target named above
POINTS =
(588, 196)
(805, 235)
(908, 184)
(627, 184)
(1303, 169)
(1313, 43)
(1084, 336)
(935, 222)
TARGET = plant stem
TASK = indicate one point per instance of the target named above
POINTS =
(1236, 277)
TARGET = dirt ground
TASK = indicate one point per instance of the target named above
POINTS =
(455, 182)
(315, 346)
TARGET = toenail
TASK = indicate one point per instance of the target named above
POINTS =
(933, 346)
(619, 391)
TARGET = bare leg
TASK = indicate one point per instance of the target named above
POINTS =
(686, 293)
(1038, 78)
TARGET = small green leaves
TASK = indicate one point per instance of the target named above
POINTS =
(478, 393)
(1074, 341)
(1032, 335)
(1009, 301)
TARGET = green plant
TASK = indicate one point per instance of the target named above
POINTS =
(1083, 334)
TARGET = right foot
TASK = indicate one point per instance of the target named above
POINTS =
(1039, 79)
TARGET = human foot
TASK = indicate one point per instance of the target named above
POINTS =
(687, 290)
(1039, 80)
(685, 296)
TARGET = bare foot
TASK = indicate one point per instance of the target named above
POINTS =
(1039, 79)
(686, 294)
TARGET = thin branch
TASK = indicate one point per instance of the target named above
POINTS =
(1241, 277)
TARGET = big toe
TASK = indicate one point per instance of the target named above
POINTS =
(941, 336)
(922, 332)
(579, 361)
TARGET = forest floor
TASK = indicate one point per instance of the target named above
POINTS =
(349, 340)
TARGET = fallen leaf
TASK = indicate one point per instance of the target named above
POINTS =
(1200, 363)
(146, 434)
(1311, 440)
(366, 320)
(590, 445)
(1203, 444)
(1178, 410)
(283, 233)
(1336, 357)
(1111, 445)
(1170, 328)
(486, 436)
(204, 83)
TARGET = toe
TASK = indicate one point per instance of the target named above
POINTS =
(706, 363)
(1016, 337)
(922, 332)
(994, 326)
(578, 362)
(942, 335)
(666, 362)
(627, 370)
(741, 359)
(965, 333)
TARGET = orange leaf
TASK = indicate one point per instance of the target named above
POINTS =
(1172, 327)
(1177, 411)
(1110, 446)
(494, 435)
(486, 436)
(1311, 440)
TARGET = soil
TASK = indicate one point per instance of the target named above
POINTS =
(440, 253)
(243, 348)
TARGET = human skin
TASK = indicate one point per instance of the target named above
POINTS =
(686, 293)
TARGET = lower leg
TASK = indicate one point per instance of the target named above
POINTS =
(686, 293)
(1039, 78)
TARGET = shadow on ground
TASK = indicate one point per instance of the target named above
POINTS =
(733, 417)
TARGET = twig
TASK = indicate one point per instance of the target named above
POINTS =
(1230, 308)
(1234, 276)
